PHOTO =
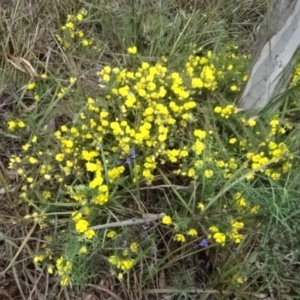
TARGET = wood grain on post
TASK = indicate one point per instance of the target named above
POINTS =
(277, 42)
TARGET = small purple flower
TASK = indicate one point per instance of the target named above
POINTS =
(97, 67)
(203, 243)
(143, 236)
(133, 154)
(128, 160)
(118, 162)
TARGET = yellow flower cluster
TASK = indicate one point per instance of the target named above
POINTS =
(202, 72)
(179, 237)
(124, 261)
(234, 235)
(269, 157)
(147, 121)
(217, 236)
(124, 264)
(13, 125)
(227, 111)
(38, 258)
(64, 270)
(82, 227)
(71, 30)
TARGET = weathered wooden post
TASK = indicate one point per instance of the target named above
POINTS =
(278, 40)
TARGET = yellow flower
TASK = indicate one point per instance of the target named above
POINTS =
(241, 201)
(240, 280)
(255, 209)
(82, 225)
(274, 123)
(21, 124)
(29, 179)
(179, 237)
(79, 17)
(134, 247)
(76, 216)
(220, 238)
(251, 123)
(46, 194)
(73, 80)
(234, 88)
(167, 220)
(32, 160)
(132, 50)
(50, 269)
(286, 167)
(85, 43)
(198, 163)
(197, 83)
(120, 276)
(237, 225)
(232, 141)
(38, 258)
(31, 86)
(198, 147)
(220, 163)
(183, 153)
(127, 264)
(218, 109)
(89, 234)
(82, 250)
(199, 133)
(208, 173)
(111, 234)
(70, 25)
(80, 33)
(213, 229)
(275, 176)
(11, 125)
(101, 199)
(191, 172)
(64, 281)
(236, 237)
(47, 176)
(192, 232)
(44, 76)
(201, 206)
